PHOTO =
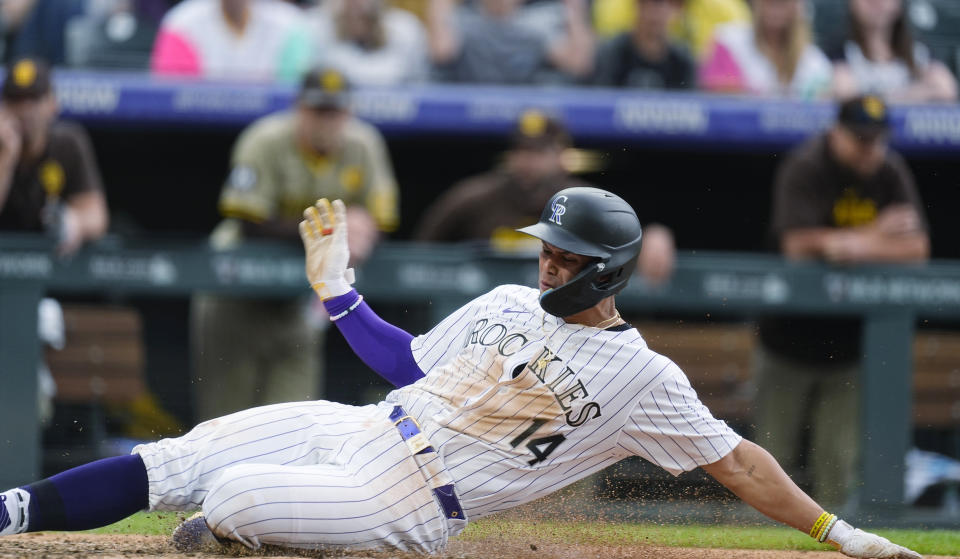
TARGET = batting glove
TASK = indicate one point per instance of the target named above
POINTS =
(324, 234)
(854, 542)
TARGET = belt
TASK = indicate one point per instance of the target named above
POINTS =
(418, 443)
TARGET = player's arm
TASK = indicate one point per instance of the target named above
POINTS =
(754, 476)
(897, 234)
(85, 216)
(868, 243)
(85, 219)
(382, 346)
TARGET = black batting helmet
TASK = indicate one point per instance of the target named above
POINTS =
(591, 222)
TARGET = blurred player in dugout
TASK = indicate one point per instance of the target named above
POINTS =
(533, 170)
(251, 352)
(845, 198)
(49, 180)
(49, 183)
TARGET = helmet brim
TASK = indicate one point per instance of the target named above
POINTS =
(563, 240)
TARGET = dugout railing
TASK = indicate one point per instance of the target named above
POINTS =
(890, 299)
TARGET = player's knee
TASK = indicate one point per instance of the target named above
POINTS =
(231, 504)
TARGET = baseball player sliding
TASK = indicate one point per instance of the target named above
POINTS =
(515, 395)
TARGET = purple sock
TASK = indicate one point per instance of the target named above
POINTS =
(89, 496)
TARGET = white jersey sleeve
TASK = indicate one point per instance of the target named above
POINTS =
(448, 337)
(671, 428)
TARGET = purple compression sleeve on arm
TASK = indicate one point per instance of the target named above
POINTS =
(382, 346)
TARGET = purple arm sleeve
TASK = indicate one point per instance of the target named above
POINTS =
(382, 346)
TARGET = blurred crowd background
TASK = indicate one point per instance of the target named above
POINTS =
(198, 358)
(807, 49)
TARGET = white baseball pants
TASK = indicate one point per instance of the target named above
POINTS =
(306, 474)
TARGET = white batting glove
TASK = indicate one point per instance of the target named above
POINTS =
(324, 234)
(854, 542)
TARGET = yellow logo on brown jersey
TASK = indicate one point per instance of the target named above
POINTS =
(52, 178)
(850, 210)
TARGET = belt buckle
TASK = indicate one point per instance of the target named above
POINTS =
(418, 442)
(411, 418)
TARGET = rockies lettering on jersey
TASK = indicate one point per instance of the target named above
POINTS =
(508, 343)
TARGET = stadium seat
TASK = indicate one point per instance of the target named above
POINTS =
(829, 21)
(937, 24)
(120, 42)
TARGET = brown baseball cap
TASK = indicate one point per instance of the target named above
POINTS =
(325, 88)
(865, 115)
(26, 78)
(536, 129)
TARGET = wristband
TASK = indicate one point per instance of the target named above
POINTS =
(350, 309)
(819, 524)
(822, 526)
(827, 528)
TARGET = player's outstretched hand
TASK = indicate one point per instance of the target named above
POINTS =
(324, 234)
(854, 542)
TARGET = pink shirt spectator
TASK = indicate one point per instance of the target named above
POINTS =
(196, 39)
(736, 65)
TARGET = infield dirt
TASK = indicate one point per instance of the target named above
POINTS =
(112, 546)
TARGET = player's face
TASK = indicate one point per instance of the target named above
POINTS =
(321, 129)
(558, 266)
(532, 165)
(864, 156)
(34, 117)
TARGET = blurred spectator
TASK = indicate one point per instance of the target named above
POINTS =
(116, 34)
(12, 15)
(532, 172)
(646, 57)
(844, 198)
(255, 40)
(500, 41)
(370, 42)
(49, 179)
(693, 28)
(252, 352)
(43, 32)
(774, 57)
(881, 57)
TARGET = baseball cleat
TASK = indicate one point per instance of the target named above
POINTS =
(193, 534)
(14, 511)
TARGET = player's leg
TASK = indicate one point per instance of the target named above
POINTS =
(293, 368)
(782, 401)
(89, 496)
(372, 495)
(175, 474)
(181, 471)
(225, 338)
(835, 441)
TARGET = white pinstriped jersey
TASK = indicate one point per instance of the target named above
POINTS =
(520, 403)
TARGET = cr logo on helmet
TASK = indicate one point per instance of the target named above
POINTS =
(558, 209)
